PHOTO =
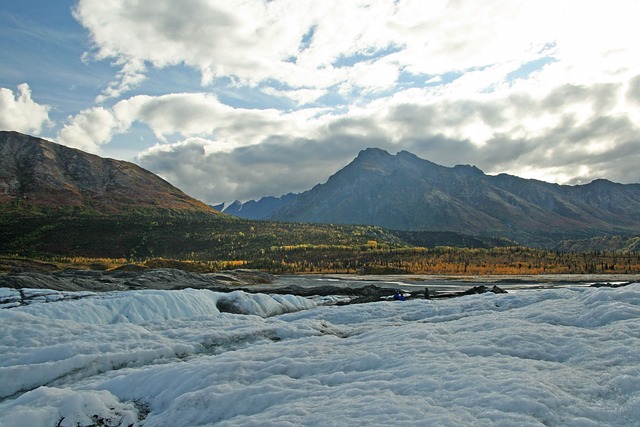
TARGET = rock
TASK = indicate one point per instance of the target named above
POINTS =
(610, 285)
(481, 289)
(131, 267)
(119, 280)
(247, 276)
(497, 290)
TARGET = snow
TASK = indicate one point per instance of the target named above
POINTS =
(155, 358)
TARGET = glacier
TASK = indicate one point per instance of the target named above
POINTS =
(568, 356)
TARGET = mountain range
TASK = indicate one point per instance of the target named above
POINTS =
(405, 192)
(36, 174)
(60, 201)
(417, 198)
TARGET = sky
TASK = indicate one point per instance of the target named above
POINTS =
(239, 99)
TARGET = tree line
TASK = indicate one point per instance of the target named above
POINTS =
(221, 242)
(443, 260)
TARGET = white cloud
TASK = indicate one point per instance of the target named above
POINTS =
(546, 88)
(302, 43)
(292, 42)
(244, 39)
(203, 115)
(300, 96)
(186, 115)
(130, 75)
(90, 129)
(20, 113)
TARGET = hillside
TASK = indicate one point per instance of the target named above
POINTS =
(405, 192)
(36, 174)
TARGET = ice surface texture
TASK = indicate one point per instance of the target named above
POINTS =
(157, 358)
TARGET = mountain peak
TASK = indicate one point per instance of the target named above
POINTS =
(373, 153)
(407, 155)
(380, 156)
(468, 169)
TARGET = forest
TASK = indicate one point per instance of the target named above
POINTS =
(374, 259)
(371, 258)
(210, 244)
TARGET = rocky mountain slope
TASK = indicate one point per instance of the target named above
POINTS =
(38, 174)
(405, 192)
(260, 209)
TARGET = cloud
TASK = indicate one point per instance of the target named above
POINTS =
(196, 114)
(301, 97)
(546, 90)
(246, 172)
(186, 115)
(362, 43)
(248, 40)
(20, 113)
(633, 93)
(131, 74)
(569, 134)
(90, 129)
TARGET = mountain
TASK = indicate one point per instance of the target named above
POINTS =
(260, 209)
(57, 201)
(36, 174)
(405, 192)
